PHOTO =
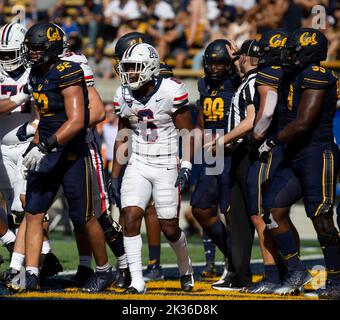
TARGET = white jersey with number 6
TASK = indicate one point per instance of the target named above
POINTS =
(154, 138)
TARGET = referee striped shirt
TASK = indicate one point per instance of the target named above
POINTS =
(243, 97)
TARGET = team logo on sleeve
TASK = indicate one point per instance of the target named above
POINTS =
(307, 39)
(277, 40)
(53, 35)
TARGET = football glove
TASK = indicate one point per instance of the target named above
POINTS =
(114, 192)
(25, 132)
(33, 158)
(184, 175)
(35, 153)
(266, 147)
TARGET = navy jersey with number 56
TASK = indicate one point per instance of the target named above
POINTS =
(49, 100)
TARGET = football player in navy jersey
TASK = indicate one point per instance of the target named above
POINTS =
(58, 154)
(311, 159)
(212, 191)
(267, 99)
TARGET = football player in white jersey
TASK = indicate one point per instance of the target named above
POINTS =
(153, 107)
(17, 125)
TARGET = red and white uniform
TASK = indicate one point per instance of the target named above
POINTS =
(153, 166)
(93, 138)
(12, 181)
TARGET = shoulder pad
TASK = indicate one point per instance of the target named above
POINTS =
(316, 77)
(269, 76)
(69, 73)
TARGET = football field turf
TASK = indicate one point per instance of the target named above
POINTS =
(64, 247)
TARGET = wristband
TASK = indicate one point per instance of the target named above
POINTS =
(186, 164)
(19, 98)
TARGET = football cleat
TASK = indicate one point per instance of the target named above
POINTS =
(8, 275)
(50, 265)
(153, 272)
(209, 271)
(187, 282)
(99, 281)
(133, 290)
(82, 275)
(123, 278)
(294, 283)
(331, 292)
(32, 282)
(263, 287)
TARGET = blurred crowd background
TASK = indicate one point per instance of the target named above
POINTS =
(180, 29)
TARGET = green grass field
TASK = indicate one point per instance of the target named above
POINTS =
(64, 248)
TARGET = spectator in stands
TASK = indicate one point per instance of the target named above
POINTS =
(93, 14)
(114, 13)
(172, 42)
(110, 129)
(101, 65)
(199, 24)
(69, 25)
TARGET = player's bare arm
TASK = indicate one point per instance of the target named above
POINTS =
(96, 106)
(120, 147)
(74, 107)
(183, 120)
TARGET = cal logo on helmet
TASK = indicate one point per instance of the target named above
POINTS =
(53, 35)
(277, 41)
(307, 39)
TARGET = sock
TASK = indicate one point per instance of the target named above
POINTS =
(209, 249)
(154, 254)
(85, 261)
(32, 270)
(46, 247)
(287, 247)
(332, 259)
(181, 249)
(218, 234)
(117, 246)
(271, 273)
(122, 262)
(17, 261)
(106, 267)
(8, 237)
(133, 249)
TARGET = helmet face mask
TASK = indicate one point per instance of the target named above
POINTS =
(216, 61)
(11, 57)
(305, 46)
(270, 46)
(140, 63)
(125, 42)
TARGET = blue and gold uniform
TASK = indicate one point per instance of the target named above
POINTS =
(259, 173)
(312, 162)
(66, 165)
(215, 102)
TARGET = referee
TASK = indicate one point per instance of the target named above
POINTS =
(240, 123)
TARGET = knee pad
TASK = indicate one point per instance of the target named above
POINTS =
(111, 228)
(269, 219)
(328, 235)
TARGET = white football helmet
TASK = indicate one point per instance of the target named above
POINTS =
(139, 64)
(11, 43)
